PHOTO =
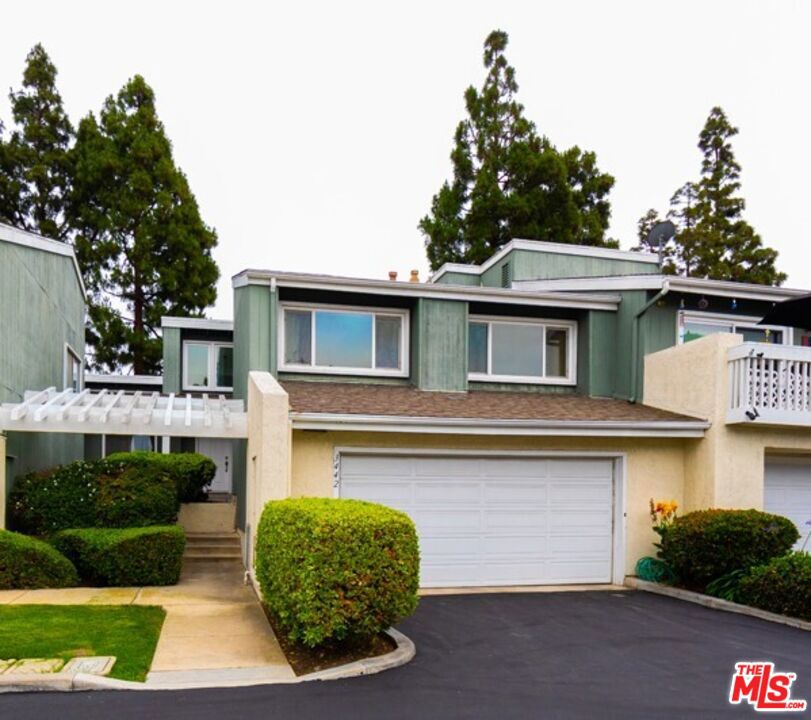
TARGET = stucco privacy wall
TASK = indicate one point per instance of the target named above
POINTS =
(655, 467)
(726, 468)
(268, 449)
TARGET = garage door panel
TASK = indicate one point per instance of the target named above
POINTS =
(787, 492)
(493, 521)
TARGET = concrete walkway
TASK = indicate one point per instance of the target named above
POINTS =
(214, 624)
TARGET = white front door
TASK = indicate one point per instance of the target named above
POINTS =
(787, 492)
(496, 520)
(220, 451)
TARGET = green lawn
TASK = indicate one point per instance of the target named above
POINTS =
(130, 632)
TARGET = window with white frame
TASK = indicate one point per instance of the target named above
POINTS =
(693, 326)
(208, 365)
(343, 340)
(522, 351)
(73, 370)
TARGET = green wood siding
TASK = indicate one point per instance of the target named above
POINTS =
(440, 345)
(171, 360)
(457, 278)
(41, 309)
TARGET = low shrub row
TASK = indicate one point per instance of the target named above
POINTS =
(27, 564)
(119, 558)
(782, 585)
(333, 570)
(123, 490)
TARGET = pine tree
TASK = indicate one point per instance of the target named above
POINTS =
(140, 237)
(35, 171)
(713, 240)
(509, 181)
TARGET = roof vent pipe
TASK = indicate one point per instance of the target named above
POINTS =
(393, 275)
(415, 276)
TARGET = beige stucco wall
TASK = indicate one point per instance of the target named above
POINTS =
(655, 468)
(725, 469)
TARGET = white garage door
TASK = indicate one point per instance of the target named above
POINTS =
(496, 520)
(787, 491)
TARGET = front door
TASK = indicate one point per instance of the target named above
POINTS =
(220, 452)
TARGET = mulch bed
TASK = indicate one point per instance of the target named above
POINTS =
(306, 660)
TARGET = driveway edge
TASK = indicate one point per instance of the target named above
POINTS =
(221, 677)
(715, 603)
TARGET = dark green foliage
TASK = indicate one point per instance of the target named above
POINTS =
(509, 181)
(727, 587)
(713, 239)
(780, 586)
(125, 557)
(135, 496)
(28, 563)
(92, 494)
(43, 502)
(335, 569)
(192, 473)
(705, 545)
(35, 171)
(140, 237)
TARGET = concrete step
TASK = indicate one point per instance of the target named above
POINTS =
(213, 547)
(208, 517)
(212, 556)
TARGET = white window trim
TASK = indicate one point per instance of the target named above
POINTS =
(212, 365)
(80, 379)
(746, 322)
(547, 323)
(356, 309)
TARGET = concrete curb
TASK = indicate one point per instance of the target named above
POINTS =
(715, 603)
(218, 678)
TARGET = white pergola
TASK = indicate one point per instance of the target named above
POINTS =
(117, 412)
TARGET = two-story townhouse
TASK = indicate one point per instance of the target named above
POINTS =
(42, 343)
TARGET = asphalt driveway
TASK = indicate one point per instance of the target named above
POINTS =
(555, 655)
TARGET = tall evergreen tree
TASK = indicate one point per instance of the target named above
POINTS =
(509, 181)
(713, 239)
(35, 171)
(140, 237)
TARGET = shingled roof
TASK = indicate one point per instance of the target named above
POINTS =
(361, 399)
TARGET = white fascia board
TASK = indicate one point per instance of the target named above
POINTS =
(38, 242)
(168, 321)
(550, 248)
(427, 290)
(467, 426)
(124, 379)
(616, 283)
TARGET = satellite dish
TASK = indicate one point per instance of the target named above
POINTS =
(660, 235)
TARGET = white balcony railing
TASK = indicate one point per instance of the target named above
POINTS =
(769, 384)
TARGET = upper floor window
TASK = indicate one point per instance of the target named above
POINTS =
(522, 351)
(693, 326)
(208, 366)
(342, 340)
(72, 370)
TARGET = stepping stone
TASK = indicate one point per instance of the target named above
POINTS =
(35, 666)
(5, 665)
(100, 665)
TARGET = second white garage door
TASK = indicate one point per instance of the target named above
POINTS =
(496, 520)
(787, 491)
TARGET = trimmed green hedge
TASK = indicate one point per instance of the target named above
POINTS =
(125, 557)
(781, 586)
(93, 494)
(192, 473)
(705, 545)
(27, 563)
(335, 569)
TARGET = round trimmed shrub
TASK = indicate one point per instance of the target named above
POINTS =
(135, 497)
(707, 544)
(124, 557)
(27, 563)
(44, 502)
(192, 473)
(333, 569)
(781, 586)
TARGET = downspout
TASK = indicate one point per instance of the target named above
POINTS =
(635, 336)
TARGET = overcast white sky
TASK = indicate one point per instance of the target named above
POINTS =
(314, 134)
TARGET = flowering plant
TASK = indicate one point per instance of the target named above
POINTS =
(662, 515)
